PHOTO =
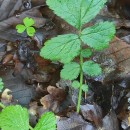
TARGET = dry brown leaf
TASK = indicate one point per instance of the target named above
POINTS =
(58, 94)
(33, 106)
(50, 104)
(92, 113)
(6, 97)
(41, 61)
(7, 59)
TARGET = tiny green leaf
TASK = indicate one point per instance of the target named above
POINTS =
(70, 71)
(63, 48)
(30, 31)
(85, 87)
(76, 12)
(91, 68)
(14, 118)
(1, 85)
(75, 84)
(86, 53)
(28, 21)
(20, 28)
(99, 35)
(46, 122)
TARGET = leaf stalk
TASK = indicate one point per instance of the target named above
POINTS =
(81, 82)
(30, 127)
(2, 105)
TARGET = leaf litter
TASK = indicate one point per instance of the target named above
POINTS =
(106, 104)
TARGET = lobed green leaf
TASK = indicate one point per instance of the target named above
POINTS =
(76, 12)
(28, 21)
(63, 48)
(91, 68)
(70, 71)
(14, 118)
(20, 28)
(86, 53)
(99, 35)
(75, 84)
(85, 87)
(30, 31)
(46, 122)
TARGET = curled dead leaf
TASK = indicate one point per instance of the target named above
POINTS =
(57, 93)
(6, 97)
(48, 103)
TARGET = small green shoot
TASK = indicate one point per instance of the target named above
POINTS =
(28, 23)
(65, 48)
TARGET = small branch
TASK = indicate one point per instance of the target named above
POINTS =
(2, 105)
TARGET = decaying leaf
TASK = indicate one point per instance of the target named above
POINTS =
(7, 58)
(41, 77)
(92, 113)
(110, 121)
(33, 108)
(6, 98)
(57, 93)
(74, 122)
(49, 103)
(13, 12)
(41, 61)
(115, 61)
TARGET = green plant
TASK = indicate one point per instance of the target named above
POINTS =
(28, 23)
(1, 85)
(15, 117)
(65, 48)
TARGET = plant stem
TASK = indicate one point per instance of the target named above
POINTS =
(30, 127)
(2, 105)
(81, 82)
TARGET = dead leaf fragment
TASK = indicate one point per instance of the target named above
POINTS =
(48, 103)
(92, 113)
(33, 108)
(7, 59)
(57, 93)
(6, 97)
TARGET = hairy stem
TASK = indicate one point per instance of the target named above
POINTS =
(30, 127)
(81, 82)
(2, 105)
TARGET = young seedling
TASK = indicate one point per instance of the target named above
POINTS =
(65, 48)
(28, 23)
(15, 117)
